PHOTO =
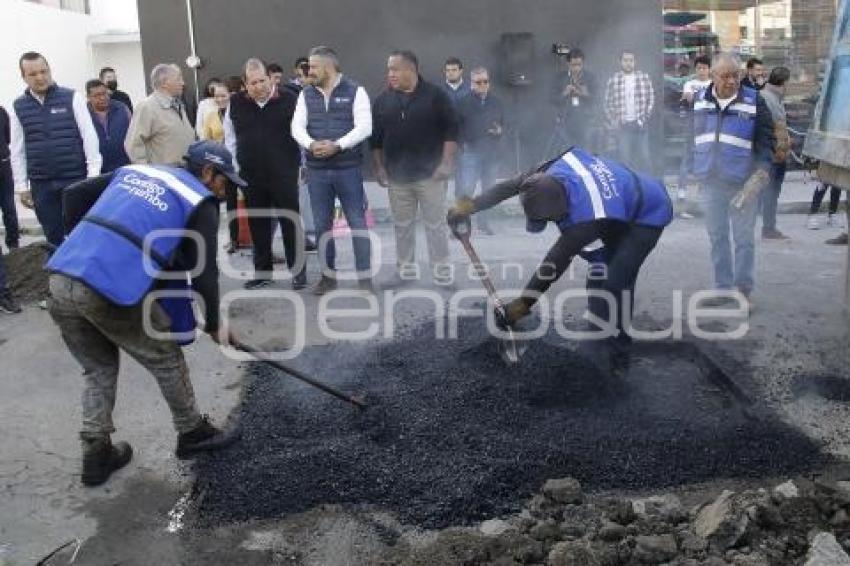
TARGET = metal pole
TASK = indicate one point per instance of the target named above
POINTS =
(191, 21)
(758, 29)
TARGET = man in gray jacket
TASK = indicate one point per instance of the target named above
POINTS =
(773, 94)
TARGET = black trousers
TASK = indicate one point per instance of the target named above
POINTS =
(820, 192)
(231, 202)
(627, 247)
(271, 200)
(7, 203)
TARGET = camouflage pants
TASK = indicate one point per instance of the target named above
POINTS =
(94, 330)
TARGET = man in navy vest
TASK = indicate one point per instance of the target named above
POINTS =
(111, 119)
(54, 143)
(732, 154)
(110, 284)
(589, 199)
(332, 119)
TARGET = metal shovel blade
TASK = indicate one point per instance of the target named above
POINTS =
(509, 350)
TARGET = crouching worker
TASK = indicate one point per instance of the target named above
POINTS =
(104, 271)
(590, 199)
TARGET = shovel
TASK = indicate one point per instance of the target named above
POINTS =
(508, 349)
(257, 354)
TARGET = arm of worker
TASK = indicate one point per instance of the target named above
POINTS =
(230, 137)
(18, 155)
(77, 199)
(137, 135)
(570, 243)
(91, 143)
(362, 121)
(205, 224)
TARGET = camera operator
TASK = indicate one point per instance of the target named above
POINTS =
(575, 95)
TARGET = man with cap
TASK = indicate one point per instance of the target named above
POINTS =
(120, 281)
(589, 198)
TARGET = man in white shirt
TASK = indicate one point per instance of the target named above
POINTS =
(332, 119)
(629, 101)
(53, 143)
(702, 66)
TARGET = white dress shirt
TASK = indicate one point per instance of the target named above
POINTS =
(362, 111)
(91, 143)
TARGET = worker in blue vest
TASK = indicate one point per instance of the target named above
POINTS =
(139, 230)
(53, 143)
(733, 143)
(589, 198)
(111, 120)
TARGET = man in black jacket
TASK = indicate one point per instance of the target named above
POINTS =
(481, 120)
(257, 133)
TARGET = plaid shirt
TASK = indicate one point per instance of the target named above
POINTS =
(615, 98)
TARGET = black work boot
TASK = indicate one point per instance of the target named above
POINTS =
(204, 438)
(101, 458)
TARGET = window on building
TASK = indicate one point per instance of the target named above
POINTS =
(80, 6)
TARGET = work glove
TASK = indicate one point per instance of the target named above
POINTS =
(458, 215)
(751, 189)
(515, 311)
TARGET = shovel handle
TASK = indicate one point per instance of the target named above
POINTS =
(298, 374)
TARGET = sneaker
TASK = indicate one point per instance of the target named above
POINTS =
(773, 234)
(299, 282)
(8, 304)
(255, 284)
(813, 223)
(324, 285)
(838, 240)
(42, 304)
(310, 246)
(101, 458)
(717, 301)
(204, 438)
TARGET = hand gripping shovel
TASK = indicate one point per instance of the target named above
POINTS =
(508, 349)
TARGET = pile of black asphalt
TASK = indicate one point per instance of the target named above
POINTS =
(452, 435)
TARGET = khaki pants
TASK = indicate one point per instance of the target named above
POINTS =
(94, 329)
(405, 200)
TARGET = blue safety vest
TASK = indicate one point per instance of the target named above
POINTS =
(106, 250)
(601, 189)
(723, 140)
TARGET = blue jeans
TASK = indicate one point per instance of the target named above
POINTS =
(633, 146)
(475, 167)
(769, 197)
(47, 196)
(719, 215)
(326, 185)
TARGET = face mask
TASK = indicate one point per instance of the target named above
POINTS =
(112, 85)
